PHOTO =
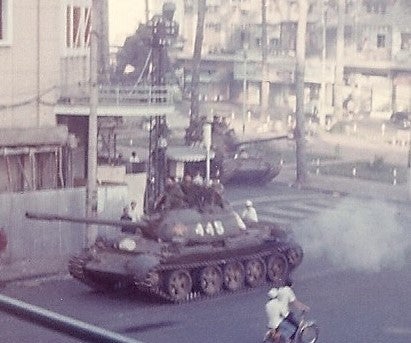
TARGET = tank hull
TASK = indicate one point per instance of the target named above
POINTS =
(250, 173)
(249, 261)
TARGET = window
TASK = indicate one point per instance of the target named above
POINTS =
(5, 22)
(376, 6)
(380, 41)
(274, 43)
(78, 24)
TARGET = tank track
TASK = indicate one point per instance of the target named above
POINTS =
(77, 263)
(76, 269)
(161, 295)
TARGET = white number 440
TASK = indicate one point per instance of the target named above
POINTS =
(211, 228)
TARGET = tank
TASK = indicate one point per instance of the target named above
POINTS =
(237, 160)
(184, 253)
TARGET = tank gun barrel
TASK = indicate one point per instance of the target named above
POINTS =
(83, 220)
(277, 137)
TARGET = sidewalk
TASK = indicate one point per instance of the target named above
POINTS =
(345, 185)
(32, 269)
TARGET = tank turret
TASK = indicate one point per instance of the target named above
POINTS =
(182, 253)
(237, 160)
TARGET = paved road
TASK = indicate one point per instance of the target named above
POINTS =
(355, 277)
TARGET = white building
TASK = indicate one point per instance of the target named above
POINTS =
(43, 50)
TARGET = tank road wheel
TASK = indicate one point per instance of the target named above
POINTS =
(211, 280)
(234, 276)
(179, 284)
(255, 272)
(295, 256)
(277, 269)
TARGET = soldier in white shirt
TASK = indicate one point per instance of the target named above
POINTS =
(249, 214)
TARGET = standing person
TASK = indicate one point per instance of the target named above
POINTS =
(249, 214)
(133, 211)
(216, 191)
(188, 190)
(134, 158)
(198, 179)
(126, 217)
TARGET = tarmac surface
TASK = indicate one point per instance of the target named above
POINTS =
(351, 146)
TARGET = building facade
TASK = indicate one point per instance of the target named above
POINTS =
(376, 61)
(43, 50)
(44, 94)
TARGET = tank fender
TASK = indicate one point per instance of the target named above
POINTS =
(141, 265)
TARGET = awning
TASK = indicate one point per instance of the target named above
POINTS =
(187, 154)
(34, 136)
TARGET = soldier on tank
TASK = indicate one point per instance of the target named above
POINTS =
(172, 198)
(194, 194)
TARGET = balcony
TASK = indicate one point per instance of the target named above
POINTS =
(116, 100)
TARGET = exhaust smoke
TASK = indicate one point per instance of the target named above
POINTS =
(361, 234)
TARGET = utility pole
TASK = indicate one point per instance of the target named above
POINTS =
(322, 104)
(244, 90)
(265, 83)
(339, 62)
(195, 72)
(299, 132)
(91, 189)
(103, 50)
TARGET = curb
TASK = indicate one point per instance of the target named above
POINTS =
(32, 269)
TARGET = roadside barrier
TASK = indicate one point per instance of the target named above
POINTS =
(62, 324)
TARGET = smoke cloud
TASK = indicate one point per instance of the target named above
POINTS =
(364, 235)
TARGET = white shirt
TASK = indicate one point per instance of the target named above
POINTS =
(198, 180)
(274, 310)
(250, 215)
(286, 296)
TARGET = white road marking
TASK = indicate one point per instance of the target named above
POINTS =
(397, 330)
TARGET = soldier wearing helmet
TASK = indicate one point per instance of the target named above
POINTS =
(249, 214)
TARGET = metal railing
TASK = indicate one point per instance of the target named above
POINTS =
(120, 95)
(59, 323)
(139, 94)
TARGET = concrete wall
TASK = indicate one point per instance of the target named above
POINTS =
(32, 239)
(35, 63)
